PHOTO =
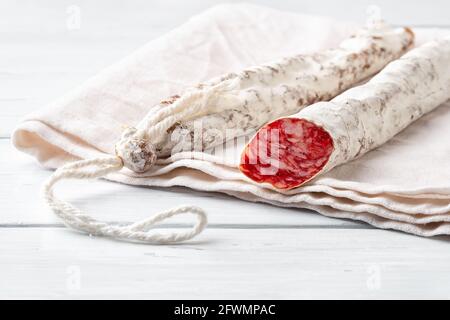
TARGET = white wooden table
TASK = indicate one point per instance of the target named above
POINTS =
(248, 251)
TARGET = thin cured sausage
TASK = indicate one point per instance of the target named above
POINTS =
(240, 103)
(254, 96)
(291, 151)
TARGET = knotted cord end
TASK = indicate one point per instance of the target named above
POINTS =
(136, 152)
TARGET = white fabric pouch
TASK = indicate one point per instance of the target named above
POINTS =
(402, 185)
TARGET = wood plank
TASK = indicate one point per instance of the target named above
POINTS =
(140, 15)
(33, 74)
(21, 179)
(225, 264)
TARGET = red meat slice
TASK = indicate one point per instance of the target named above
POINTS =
(286, 153)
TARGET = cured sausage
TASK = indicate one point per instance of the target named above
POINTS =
(290, 151)
(259, 94)
(239, 103)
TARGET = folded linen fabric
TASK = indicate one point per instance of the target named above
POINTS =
(402, 185)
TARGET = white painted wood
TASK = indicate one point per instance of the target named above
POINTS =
(21, 179)
(225, 264)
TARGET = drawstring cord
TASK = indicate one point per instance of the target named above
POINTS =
(138, 231)
(191, 104)
(136, 151)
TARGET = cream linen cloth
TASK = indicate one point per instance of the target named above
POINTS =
(403, 185)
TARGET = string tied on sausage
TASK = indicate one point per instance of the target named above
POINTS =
(140, 231)
(137, 147)
(136, 151)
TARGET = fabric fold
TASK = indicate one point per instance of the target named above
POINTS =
(402, 185)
